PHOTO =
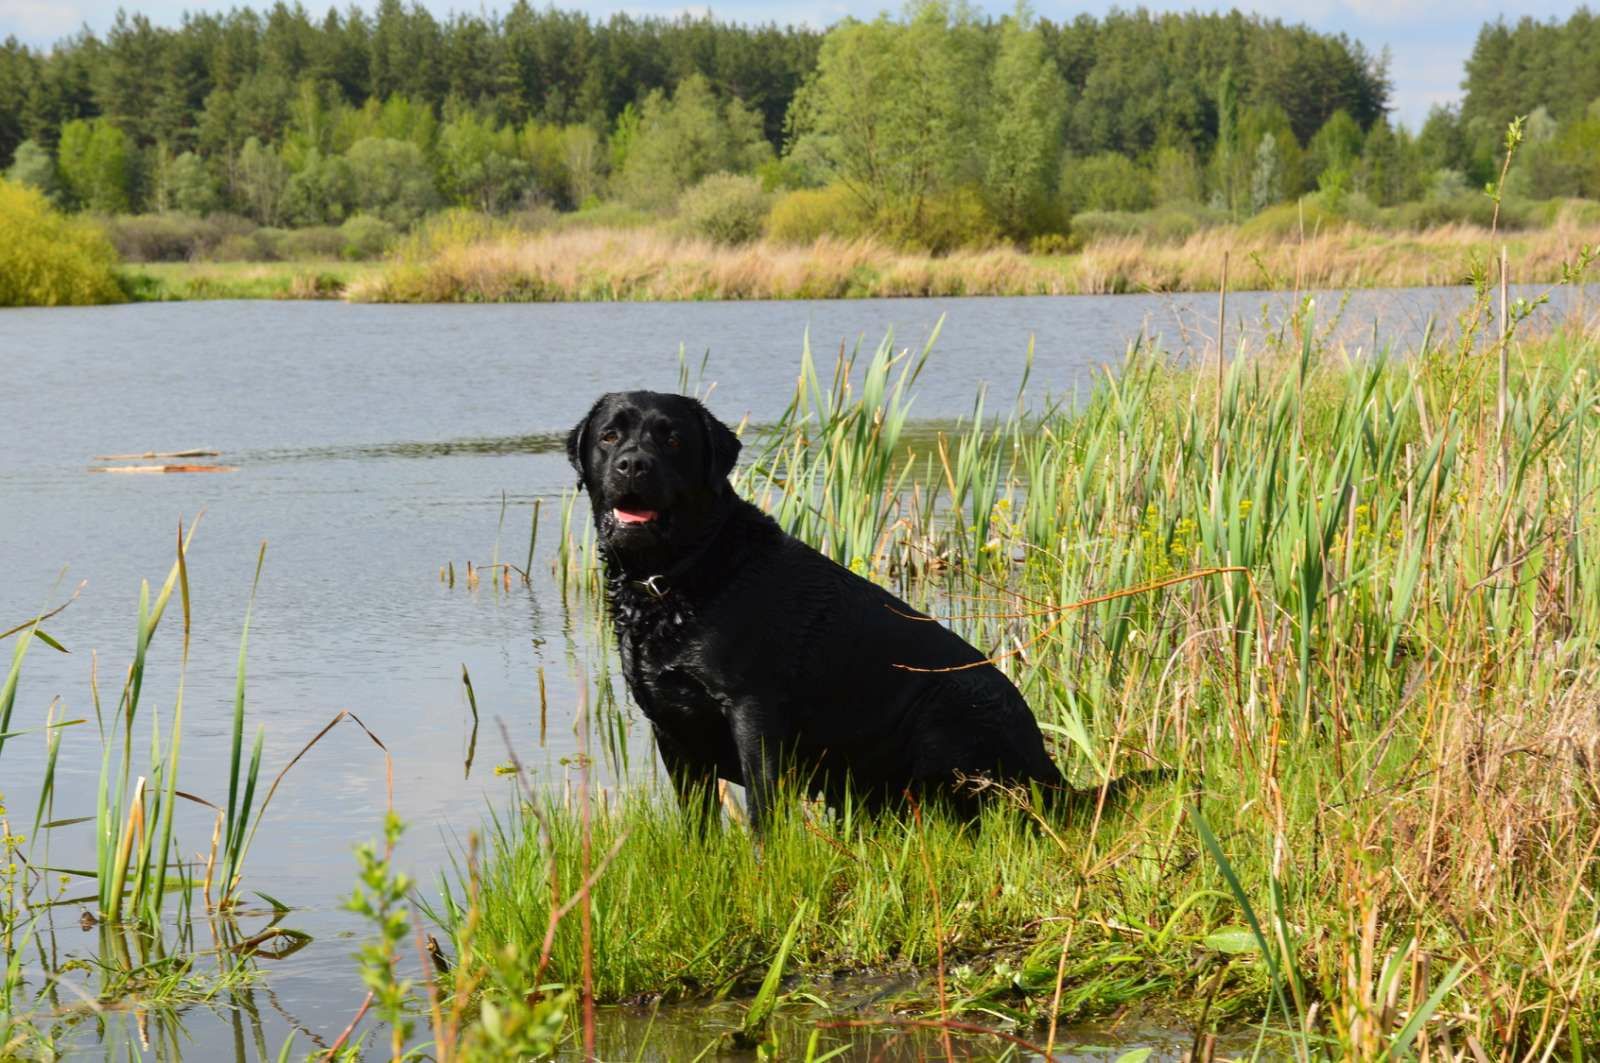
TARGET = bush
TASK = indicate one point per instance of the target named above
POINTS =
(315, 241)
(1174, 223)
(596, 214)
(1471, 208)
(1091, 226)
(34, 165)
(1569, 212)
(1170, 224)
(172, 237)
(365, 237)
(725, 208)
(1316, 214)
(801, 217)
(1105, 182)
(258, 245)
(952, 220)
(47, 259)
(392, 179)
(1054, 244)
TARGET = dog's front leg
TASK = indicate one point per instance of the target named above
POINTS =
(694, 780)
(758, 743)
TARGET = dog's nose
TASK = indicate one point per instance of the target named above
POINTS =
(634, 464)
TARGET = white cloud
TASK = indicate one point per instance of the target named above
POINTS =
(40, 20)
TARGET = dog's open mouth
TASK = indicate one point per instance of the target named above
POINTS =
(633, 515)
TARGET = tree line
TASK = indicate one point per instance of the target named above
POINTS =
(938, 118)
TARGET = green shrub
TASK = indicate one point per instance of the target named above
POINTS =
(1093, 225)
(1564, 210)
(1470, 208)
(175, 237)
(33, 165)
(1169, 224)
(365, 237)
(801, 216)
(952, 220)
(596, 214)
(725, 208)
(1054, 244)
(1288, 219)
(47, 259)
(1175, 222)
(1105, 182)
(313, 241)
(265, 244)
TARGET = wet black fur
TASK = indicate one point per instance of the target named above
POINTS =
(751, 649)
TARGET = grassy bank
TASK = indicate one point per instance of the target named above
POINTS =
(652, 264)
(1352, 604)
(163, 281)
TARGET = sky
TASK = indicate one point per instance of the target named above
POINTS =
(1427, 42)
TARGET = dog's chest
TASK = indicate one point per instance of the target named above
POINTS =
(665, 667)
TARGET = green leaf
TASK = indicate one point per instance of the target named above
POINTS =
(1136, 1055)
(1234, 940)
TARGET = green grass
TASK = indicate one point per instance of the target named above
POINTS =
(1352, 608)
(143, 895)
(160, 281)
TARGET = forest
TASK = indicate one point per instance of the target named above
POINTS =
(940, 128)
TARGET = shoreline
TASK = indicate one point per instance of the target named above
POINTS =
(630, 265)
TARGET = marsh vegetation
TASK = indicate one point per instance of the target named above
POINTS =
(1344, 597)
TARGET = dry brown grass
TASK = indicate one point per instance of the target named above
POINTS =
(642, 264)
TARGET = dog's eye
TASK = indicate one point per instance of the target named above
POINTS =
(674, 442)
(610, 436)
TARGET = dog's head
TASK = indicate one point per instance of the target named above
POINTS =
(656, 468)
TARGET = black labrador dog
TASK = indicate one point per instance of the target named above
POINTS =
(748, 650)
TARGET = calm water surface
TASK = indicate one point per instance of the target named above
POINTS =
(373, 445)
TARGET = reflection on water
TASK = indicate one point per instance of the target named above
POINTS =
(374, 446)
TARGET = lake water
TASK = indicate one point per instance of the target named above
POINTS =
(374, 444)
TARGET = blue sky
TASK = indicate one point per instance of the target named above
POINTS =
(1427, 42)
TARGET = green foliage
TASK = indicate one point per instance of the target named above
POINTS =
(365, 237)
(479, 163)
(803, 216)
(725, 208)
(392, 179)
(171, 237)
(1311, 214)
(1515, 69)
(381, 898)
(1332, 154)
(1170, 224)
(1176, 177)
(49, 260)
(584, 156)
(320, 192)
(1559, 159)
(187, 185)
(260, 179)
(1022, 154)
(34, 166)
(686, 137)
(895, 108)
(96, 165)
(949, 220)
(1266, 178)
(1106, 181)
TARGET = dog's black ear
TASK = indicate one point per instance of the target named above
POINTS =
(575, 443)
(722, 446)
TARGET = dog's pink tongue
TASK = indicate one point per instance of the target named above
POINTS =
(635, 516)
